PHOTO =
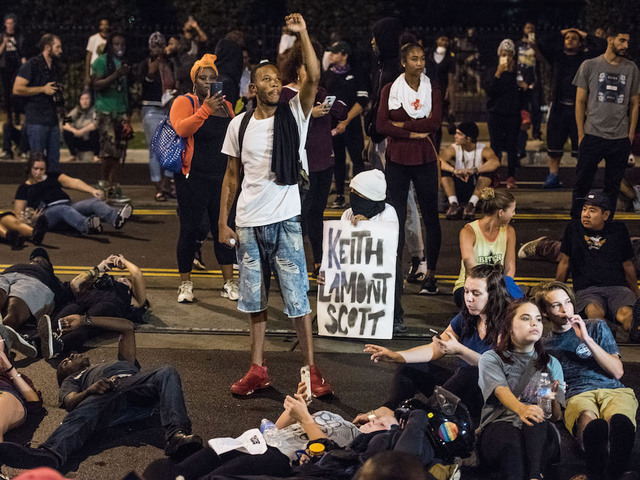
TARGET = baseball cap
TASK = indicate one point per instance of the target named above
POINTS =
(340, 47)
(40, 252)
(598, 199)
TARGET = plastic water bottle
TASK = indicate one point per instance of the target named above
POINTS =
(270, 433)
(544, 394)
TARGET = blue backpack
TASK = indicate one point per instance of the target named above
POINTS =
(167, 145)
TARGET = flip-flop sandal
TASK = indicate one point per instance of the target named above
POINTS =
(160, 197)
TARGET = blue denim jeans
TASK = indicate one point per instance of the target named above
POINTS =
(76, 214)
(46, 139)
(151, 118)
(276, 248)
(136, 398)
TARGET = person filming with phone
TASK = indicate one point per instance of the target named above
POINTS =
(202, 118)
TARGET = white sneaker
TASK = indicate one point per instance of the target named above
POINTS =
(185, 292)
(230, 290)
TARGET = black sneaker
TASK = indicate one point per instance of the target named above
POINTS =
(50, 342)
(429, 286)
(634, 332)
(339, 202)
(21, 343)
(14, 239)
(399, 327)
(18, 456)
(181, 445)
(123, 215)
(94, 225)
(39, 230)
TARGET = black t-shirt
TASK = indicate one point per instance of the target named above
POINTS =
(207, 160)
(438, 73)
(350, 87)
(40, 109)
(62, 291)
(596, 257)
(42, 193)
(80, 381)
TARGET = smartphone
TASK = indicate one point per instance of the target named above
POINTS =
(215, 87)
(328, 101)
(504, 60)
(305, 376)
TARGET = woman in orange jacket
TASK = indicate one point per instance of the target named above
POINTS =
(202, 119)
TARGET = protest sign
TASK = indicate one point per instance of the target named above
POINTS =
(359, 267)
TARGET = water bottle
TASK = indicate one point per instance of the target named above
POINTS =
(270, 433)
(544, 394)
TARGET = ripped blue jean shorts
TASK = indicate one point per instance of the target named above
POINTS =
(276, 248)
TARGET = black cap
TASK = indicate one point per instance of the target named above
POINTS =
(598, 199)
(340, 47)
(40, 253)
(470, 129)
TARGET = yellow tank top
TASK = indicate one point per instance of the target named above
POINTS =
(485, 252)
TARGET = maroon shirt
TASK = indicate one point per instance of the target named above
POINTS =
(319, 146)
(400, 148)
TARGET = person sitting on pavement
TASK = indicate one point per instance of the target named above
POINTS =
(79, 129)
(599, 256)
(474, 166)
(472, 332)
(601, 412)
(15, 231)
(42, 191)
(368, 195)
(518, 438)
(21, 397)
(29, 290)
(97, 294)
(108, 394)
(490, 240)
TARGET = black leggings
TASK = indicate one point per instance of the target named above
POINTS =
(425, 181)
(503, 134)
(414, 378)
(197, 195)
(519, 453)
(313, 209)
(353, 141)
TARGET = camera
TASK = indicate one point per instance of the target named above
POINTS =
(58, 96)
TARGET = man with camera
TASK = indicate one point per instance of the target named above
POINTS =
(38, 80)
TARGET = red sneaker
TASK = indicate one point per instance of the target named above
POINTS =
(319, 386)
(256, 378)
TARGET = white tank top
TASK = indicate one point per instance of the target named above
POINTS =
(472, 159)
(485, 251)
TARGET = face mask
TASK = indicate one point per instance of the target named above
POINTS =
(441, 50)
(364, 206)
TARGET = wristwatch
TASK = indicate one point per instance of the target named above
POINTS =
(87, 320)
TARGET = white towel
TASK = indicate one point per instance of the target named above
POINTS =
(416, 104)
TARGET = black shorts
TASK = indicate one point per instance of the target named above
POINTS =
(464, 190)
(560, 126)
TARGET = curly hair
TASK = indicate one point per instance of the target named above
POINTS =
(497, 304)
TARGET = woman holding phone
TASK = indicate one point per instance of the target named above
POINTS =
(471, 333)
(319, 147)
(202, 118)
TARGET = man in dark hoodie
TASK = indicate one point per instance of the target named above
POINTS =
(229, 63)
(385, 39)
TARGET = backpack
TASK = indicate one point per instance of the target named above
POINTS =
(167, 145)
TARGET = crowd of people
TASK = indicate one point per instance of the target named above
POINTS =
(256, 170)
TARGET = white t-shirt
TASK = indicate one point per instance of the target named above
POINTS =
(387, 215)
(95, 45)
(262, 201)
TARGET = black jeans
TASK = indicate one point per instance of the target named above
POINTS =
(591, 151)
(503, 135)
(519, 453)
(353, 141)
(137, 397)
(410, 379)
(79, 144)
(197, 195)
(315, 201)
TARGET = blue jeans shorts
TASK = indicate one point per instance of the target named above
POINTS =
(277, 248)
